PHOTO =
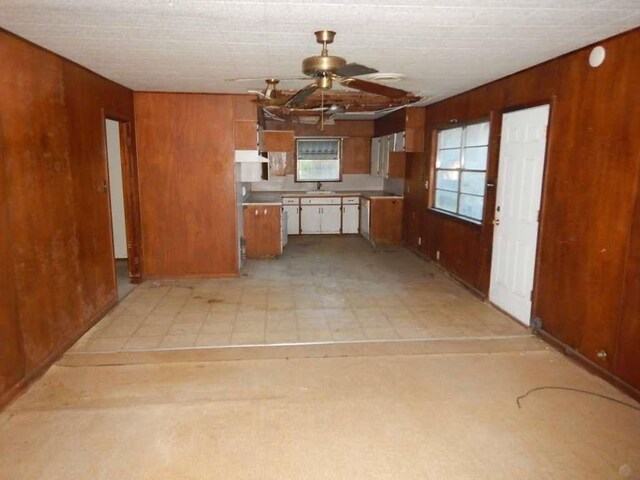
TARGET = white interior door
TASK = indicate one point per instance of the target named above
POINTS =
(116, 194)
(515, 237)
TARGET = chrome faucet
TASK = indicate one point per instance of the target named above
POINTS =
(319, 186)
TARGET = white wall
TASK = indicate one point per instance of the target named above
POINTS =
(116, 192)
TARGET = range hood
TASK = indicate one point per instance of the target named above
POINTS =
(249, 156)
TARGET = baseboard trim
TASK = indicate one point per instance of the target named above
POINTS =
(21, 386)
(587, 364)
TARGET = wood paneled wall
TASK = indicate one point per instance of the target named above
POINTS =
(56, 247)
(587, 237)
(187, 184)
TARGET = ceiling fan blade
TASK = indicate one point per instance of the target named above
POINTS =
(354, 70)
(375, 88)
(301, 95)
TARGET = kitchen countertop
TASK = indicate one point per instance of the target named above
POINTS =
(275, 198)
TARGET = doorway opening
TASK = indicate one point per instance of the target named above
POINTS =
(523, 146)
(115, 155)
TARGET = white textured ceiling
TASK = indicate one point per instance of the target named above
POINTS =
(442, 46)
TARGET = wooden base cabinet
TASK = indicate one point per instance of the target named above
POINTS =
(262, 230)
(385, 220)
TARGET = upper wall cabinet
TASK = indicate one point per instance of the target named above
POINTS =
(356, 152)
(387, 156)
(277, 141)
(411, 121)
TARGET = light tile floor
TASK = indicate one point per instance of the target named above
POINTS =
(322, 289)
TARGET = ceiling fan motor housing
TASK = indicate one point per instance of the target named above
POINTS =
(320, 65)
(323, 65)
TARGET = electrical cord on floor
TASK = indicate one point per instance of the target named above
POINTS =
(571, 389)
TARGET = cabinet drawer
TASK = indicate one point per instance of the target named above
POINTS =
(320, 201)
(290, 201)
(350, 200)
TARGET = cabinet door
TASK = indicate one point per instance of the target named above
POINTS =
(331, 218)
(277, 141)
(375, 156)
(356, 155)
(364, 217)
(384, 156)
(262, 231)
(350, 218)
(293, 219)
(310, 219)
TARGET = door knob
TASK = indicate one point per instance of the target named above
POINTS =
(496, 221)
(601, 354)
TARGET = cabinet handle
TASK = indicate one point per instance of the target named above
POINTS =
(265, 211)
(256, 212)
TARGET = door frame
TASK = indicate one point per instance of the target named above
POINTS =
(131, 193)
(534, 322)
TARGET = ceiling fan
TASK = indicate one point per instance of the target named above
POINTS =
(325, 69)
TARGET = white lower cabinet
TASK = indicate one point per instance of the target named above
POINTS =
(320, 219)
(293, 219)
(350, 218)
(310, 219)
(331, 217)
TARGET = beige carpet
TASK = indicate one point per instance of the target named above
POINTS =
(382, 417)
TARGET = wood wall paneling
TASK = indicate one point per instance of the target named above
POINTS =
(593, 172)
(54, 167)
(627, 358)
(12, 362)
(414, 140)
(356, 155)
(390, 123)
(245, 135)
(244, 108)
(342, 128)
(187, 184)
(591, 179)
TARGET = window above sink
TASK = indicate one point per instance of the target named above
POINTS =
(318, 159)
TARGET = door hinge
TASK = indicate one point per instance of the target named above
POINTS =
(426, 184)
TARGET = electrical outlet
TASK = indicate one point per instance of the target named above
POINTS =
(437, 254)
(419, 240)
